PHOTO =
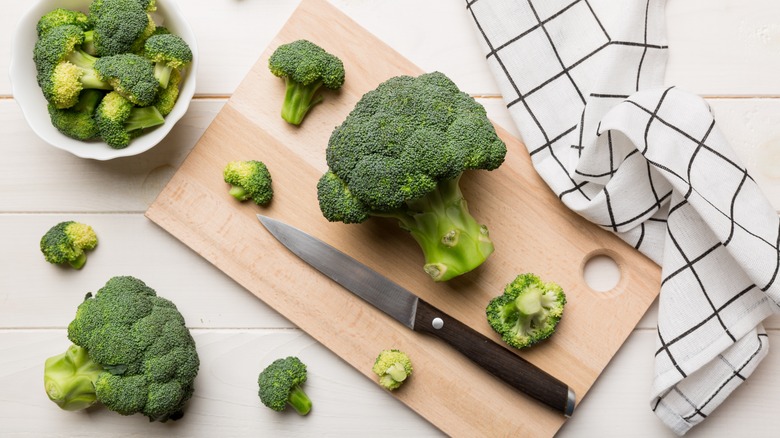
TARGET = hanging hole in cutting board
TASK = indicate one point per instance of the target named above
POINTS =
(601, 272)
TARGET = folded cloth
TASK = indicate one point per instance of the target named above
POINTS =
(583, 79)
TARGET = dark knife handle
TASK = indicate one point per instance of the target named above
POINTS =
(497, 360)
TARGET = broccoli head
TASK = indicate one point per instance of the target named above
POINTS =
(528, 311)
(119, 121)
(249, 179)
(400, 154)
(305, 67)
(168, 52)
(393, 367)
(130, 75)
(132, 353)
(67, 242)
(60, 17)
(280, 385)
(78, 121)
(119, 26)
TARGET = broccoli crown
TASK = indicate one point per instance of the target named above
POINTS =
(119, 121)
(66, 243)
(304, 62)
(280, 384)
(392, 367)
(249, 179)
(120, 26)
(60, 17)
(400, 153)
(167, 97)
(140, 341)
(168, 49)
(78, 121)
(528, 311)
(130, 75)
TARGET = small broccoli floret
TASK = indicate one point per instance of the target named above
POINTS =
(393, 368)
(305, 67)
(60, 17)
(130, 75)
(168, 52)
(120, 26)
(167, 97)
(67, 242)
(119, 121)
(528, 311)
(78, 121)
(400, 153)
(249, 180)
(280, 385)
(132, 352)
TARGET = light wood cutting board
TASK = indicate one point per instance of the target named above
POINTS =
(532, 231)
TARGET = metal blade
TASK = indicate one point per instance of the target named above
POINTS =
(356, 277)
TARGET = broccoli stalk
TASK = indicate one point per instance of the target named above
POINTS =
(280, 385)
(69, 379)
(299, 99)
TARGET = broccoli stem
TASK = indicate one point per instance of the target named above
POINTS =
(69, 379)
(163, 73)
(298, 100)
(299, 400)
(452, 241)
(86, 62)
(238, 193)
(89, 42)
(79, 261)
(143, 117)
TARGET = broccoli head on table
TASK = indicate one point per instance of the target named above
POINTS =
(280, 385)
(66, 243)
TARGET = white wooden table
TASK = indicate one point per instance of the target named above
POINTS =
(726, 50)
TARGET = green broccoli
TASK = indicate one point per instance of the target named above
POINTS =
(305, 67)
(528, 311)
(280, 384)
(60, 17)
(167, 97)
(400, 154)
(132, 352)
(168, 52)
(78, 121)
(249, 179)
(130, 75)
(393, 368)
(119, 26)
(67, 242)
(119, 121)
(62, 68)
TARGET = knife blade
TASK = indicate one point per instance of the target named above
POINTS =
(420, 316)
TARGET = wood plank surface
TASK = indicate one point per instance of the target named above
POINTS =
(549, 240)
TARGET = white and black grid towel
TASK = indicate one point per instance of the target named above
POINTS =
(583, 81)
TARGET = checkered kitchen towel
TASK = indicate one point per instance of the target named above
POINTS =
(582, 80)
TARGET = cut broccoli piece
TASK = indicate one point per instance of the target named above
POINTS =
(249, 179)
(280, 384)
(78, 121)
(67, 242)
(393, 368)
(119, 121)
(528, 311)
(130, 75)
(168, 52)
(400, 154)
(60, 17)
(120, 26)
(168, 96)
(305, 67)
(132, 347)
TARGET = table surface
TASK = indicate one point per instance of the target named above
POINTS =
(724, 50)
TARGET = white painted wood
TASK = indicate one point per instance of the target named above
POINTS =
(719, 48)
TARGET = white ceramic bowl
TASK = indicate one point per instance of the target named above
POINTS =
(29, 96)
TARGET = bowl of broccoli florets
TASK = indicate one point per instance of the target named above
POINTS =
(103, 79)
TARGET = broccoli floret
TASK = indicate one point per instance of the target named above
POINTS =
(119, 121)
(60, 17)
(280, 385)
(305, 67)
(249, 179)
(63, 70)
(130, 75)
(528, 311)
(78, 121)
(168, 52)
(140, 356)
(67, 242)
(167, 97)
(393, 368)
(120, 26)
(400, 154)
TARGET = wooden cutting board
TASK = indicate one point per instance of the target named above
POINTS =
(532, 231)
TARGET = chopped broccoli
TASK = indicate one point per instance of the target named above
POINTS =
(280, 384)
(60, 17)
(119, 121)
(67, 242)
(78, 121)
(130, 75)
(167, 97)
(120, 26)
(393, 368)
(132, 352)
(249, 179)
(168, 52)
(62, 68)
(305, 67)
(400, 154)
(528, 311)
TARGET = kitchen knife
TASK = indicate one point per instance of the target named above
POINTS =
(420, 316)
